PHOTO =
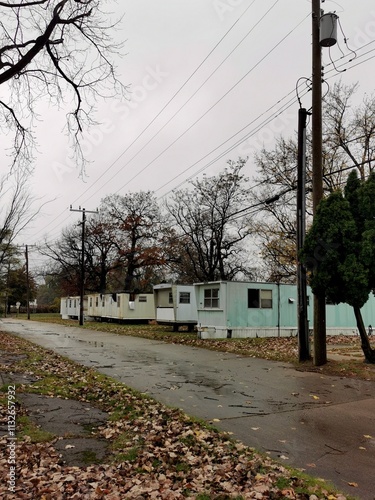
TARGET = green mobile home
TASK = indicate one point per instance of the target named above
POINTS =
(241, 309)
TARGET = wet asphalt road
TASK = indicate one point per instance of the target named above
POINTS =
(325, 425)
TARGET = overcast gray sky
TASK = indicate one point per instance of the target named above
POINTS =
(199, 72)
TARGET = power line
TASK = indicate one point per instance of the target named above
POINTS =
(170, 100)
(246, 211)
(217, 102)
(243, 139)
(213, 106)
(159, 113)
(239, 141)
(185, 103)
(181, 107)
(259, 127)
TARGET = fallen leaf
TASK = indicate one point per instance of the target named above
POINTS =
(354, 485)
(289, 493)
(156, 438)
(313, 396)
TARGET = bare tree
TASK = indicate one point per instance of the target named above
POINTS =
(212, 226)
(139, 229)
(349, 132)
(348, 142)
(65, 259)
(123, 247)
(61, 50)
(275, 226)
(16, 211)
(101, 256)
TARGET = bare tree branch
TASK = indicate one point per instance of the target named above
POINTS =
(60, 48)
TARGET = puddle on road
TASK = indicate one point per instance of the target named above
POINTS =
(94, 343)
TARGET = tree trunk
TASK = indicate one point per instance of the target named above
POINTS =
(365, 343)
(320, 335)
(129, 280)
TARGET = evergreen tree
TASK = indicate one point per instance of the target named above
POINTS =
(339, 249)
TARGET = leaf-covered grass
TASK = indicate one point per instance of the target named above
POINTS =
(157, 452)
(25, 427)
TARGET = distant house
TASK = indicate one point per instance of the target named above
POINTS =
(242, 309)
(175, 305)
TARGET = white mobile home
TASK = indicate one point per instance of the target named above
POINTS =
(69, 307)
(242, 309)
(175, 305)
(121, 306)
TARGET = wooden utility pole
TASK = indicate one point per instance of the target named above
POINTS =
(303, 328)
(27, 282)
(82, 283)
(320, 346)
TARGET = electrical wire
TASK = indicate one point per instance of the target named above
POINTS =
(186, 102)
(336, 68)
(333, 62)
(160, 112)
(265, 122)
(346, 40)
(274, 117)
(246, 211)
(239, 142)
(171, 99)
(210, 108)
(369, 43)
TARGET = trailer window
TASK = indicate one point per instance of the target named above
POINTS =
(170, 298)
(259, 299)
(90, 301)
(96, 301)
(184, 298)
(211, 298)
(118, 300)
(142, 298)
